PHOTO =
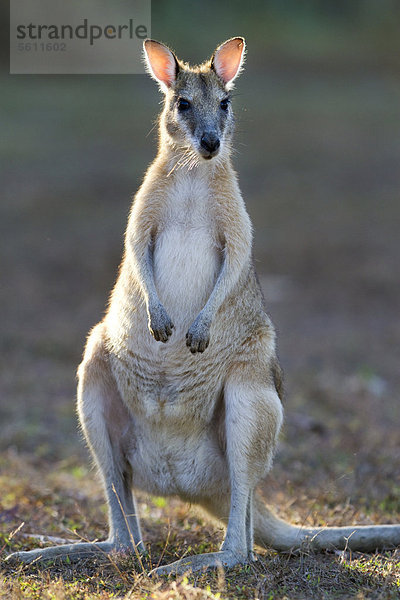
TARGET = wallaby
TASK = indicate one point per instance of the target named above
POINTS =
(180, 388)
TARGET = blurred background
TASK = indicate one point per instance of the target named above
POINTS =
(318, 151)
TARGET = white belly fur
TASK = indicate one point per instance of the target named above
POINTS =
(186, 254)
(186, 264)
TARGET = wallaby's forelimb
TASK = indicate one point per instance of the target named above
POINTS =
(160, 324)
(141, 256)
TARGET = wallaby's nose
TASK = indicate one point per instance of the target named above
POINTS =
(210, 142)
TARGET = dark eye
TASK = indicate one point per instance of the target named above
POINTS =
(224, 104)
(183, 104)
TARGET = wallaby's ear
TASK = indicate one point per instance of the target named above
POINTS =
(161, 63)
(227, 60)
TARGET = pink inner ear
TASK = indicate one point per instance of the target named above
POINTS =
(162, 62)
(228, 58)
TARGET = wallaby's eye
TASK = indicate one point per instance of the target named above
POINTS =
(183, 104)
(224, 104)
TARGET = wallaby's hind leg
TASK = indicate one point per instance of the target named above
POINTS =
(107, 426)
(253, 417)
(104, 421)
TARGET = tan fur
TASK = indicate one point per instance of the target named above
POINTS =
(179, 389)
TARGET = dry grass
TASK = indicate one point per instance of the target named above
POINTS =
(67, 503)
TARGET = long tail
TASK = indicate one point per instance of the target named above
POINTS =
(272, 532)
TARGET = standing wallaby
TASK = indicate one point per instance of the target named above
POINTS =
(180, 389)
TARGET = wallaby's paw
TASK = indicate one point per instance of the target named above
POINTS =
(198, 336)
(201, 562)
(160, 324)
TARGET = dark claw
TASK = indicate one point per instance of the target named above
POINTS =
(160, 325)
(162, 335)
(197, 338)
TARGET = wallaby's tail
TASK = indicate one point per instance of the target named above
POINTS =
(272, 532)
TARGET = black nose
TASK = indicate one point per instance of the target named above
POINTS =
(210, 142)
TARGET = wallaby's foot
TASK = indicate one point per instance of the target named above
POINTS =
(69, 552)
(160, 324)
(198, 336)
(200, 562)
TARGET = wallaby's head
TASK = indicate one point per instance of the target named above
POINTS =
(197, 116)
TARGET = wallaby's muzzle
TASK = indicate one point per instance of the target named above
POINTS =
(209, 145)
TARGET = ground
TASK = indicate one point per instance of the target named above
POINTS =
(318, 156)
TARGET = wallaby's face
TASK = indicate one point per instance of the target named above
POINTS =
(198, 112)
(197, 116)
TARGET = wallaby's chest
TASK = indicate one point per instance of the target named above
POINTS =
(187, 252)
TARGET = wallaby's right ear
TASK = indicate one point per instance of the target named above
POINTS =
(161, 63)
(227, 60)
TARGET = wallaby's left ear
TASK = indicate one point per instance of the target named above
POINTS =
(161, 63)
(227, 60)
